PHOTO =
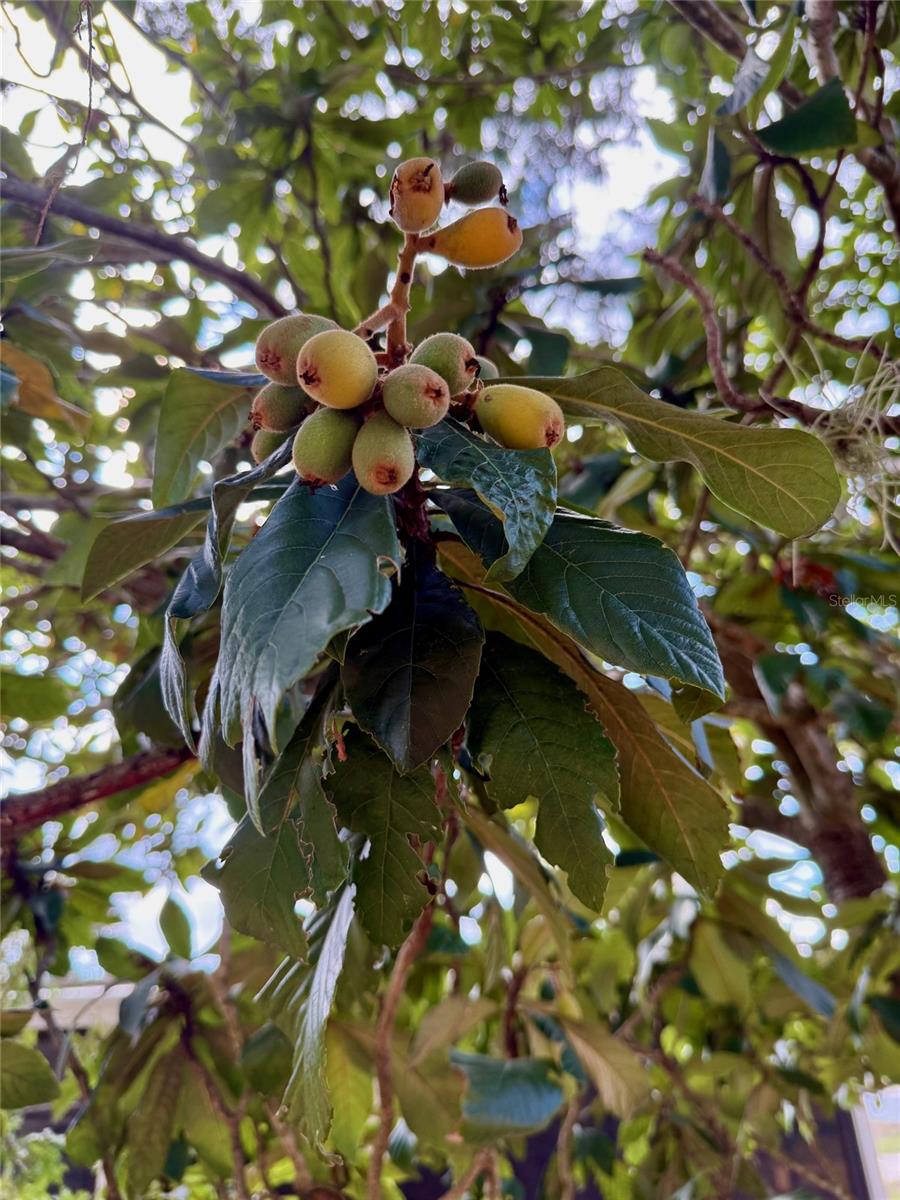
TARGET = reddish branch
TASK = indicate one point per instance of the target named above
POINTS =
(163, 245)
(384, 1039)
(708, 19)
(19, 814)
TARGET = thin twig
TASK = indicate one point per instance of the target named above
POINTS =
(726, 389)
(565, 1178)
(85, 16)
(170, 245)
(481, 1163)
(384, 1037)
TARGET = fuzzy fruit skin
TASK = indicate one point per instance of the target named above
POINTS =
(338, 369)
(520, 417)
(451, 357)
(323, 445)
(482, 238)
(415, 396)
(476, 183)
(278, 408)
(265, 442)
(487, 369)
(279, 344)
(383, 455)
(417, 193)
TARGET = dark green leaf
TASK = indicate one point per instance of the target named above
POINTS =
(823, 122)
(25, 1077)
(198, 588)
(317, 567)
(151, 1125)
(409, 673)
(373, 799)
(506, 1096)
(784, 479)
(530, 731)
(197, 419)
(716, 178)
(623, 596)
(266, 1060)
(126, 544)
(294, 785)
(518, 486)
(261, 879)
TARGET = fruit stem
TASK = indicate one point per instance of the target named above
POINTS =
(397, 348)
(376, 321)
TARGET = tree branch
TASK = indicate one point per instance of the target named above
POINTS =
(726, 389)
(167, 244)
(482, 1162)
(20, 813)
(384, 1036)
(880, 161)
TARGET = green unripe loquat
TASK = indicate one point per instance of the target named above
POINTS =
(417, 193)
(482, 238)
(487, 369)
(519, 417)
(279, 344)
(265, 442)
(323, 445)
(415, 396)
(279, 408)
(476, 183)
(338, 369)
(452, 357)
(383, 455)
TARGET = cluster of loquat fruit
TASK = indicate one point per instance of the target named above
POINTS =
(354, 406)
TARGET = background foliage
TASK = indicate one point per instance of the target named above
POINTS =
(539, 1036)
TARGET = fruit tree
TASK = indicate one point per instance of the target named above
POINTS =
(464, 646)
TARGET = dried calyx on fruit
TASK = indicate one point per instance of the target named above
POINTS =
(279, 408)
(338, 369)
(476, 183)
(265, 442)
(415, 396)
(383, 455)
(451, 357)
(485, 237)
(279, 344)
(323, 445)
(519, 417)
(417, 193)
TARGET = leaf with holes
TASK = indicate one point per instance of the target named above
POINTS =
(518, 735)
(260, 879)
(371, 798)
(662, 798)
